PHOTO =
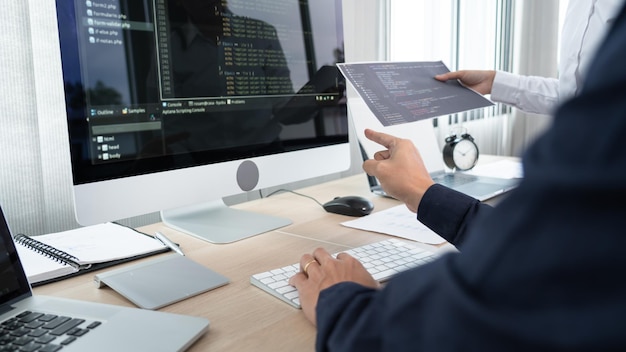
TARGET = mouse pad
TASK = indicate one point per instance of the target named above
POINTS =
(162, 281)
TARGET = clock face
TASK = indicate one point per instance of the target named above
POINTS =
(465, 154)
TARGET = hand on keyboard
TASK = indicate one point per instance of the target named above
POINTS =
(381, 259)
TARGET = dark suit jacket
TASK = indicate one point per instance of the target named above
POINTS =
(545, 270)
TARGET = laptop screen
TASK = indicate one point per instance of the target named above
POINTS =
(12, 276)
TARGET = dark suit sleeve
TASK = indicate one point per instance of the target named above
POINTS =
(450, 213)
(544, 271)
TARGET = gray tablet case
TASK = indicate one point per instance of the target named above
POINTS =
(162, 281)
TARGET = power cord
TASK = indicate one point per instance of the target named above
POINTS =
(290, 191)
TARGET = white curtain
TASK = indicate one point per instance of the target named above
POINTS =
(24, 185)
(537, 43)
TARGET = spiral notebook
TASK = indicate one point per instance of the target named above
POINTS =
(55, 256)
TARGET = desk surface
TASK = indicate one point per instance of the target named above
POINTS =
(243, 317)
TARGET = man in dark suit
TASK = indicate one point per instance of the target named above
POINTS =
(542, 271)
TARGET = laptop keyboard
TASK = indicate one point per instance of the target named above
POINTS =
(33, 331)
(381, 259)
(454, 180)
(450, 180)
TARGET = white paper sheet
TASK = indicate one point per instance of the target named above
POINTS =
(398, 221)
(403, 92)
(501, 169)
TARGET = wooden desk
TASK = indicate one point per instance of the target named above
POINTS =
(243, 317)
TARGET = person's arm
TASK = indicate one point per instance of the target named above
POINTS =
(539, 95)
(399, 168)
(537, 274)
(402, 174)
(450, 213)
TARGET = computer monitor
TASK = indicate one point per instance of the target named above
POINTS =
(174, 104)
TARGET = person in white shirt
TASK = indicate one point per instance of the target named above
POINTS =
(586, 22)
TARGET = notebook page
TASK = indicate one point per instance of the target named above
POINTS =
(102, 243)
(39, 267)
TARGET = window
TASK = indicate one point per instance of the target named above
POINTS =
(460, 33)
(475, 34)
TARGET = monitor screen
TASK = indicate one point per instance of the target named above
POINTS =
(174, 103)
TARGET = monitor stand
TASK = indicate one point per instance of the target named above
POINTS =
(217, 223)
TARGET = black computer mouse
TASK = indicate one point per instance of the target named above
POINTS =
(349, 205)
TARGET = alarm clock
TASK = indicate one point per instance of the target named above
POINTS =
(460, 153)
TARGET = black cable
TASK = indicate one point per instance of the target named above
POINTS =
(296, 193)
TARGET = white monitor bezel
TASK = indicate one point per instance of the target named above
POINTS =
(98, 202)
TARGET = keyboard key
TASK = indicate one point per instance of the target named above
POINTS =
(67, 326)
(56, 322)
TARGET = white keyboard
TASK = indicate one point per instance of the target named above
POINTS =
(382, 259)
